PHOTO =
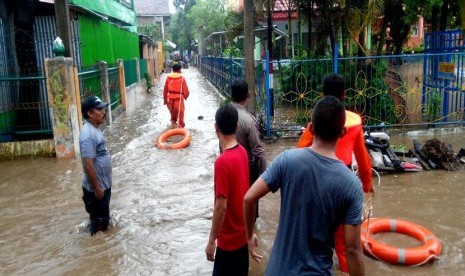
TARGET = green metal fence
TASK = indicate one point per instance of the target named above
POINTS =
(101, 40)
(130, 71)
(24, 109)
(143, 67)
(114, 86)
(89, 82)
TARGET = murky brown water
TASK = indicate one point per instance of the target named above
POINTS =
(162, 203)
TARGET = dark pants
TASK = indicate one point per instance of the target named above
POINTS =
(99, 211)
(253, 175)
(231, 263)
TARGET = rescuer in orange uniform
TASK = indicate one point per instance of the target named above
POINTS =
(174, 94)
(352, 141)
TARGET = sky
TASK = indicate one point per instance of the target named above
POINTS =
(172, 9)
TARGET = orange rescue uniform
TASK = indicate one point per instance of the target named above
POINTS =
(174, 94)
(354, 142)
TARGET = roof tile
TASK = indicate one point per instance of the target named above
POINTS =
(152, 7)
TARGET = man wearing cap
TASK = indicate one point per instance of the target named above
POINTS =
(96, 162)
(174, 94)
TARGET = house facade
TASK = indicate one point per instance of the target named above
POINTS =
(102, 30)
(150, 12)
(153, 12)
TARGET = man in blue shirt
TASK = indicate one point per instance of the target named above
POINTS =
(318, 192)
(96, 162)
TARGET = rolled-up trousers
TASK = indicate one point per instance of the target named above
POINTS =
(176, 108)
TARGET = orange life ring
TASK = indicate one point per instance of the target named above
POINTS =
(430, 250)
(177, 131)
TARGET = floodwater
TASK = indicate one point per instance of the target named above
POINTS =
(162, 202)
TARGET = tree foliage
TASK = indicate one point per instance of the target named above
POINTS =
(207, 16)
(195, 20)
(153, 31)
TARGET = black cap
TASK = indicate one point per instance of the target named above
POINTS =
(92, 102)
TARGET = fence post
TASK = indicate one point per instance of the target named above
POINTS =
(122, 82)
(268, 100)
(230, 72)
(64, 112)
(77, 93)
(105, 87)
(137, 69)
(335, 59)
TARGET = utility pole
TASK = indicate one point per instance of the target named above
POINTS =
(270, 10)
(63, 28)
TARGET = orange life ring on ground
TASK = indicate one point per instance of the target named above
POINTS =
(430, 250)
(172, 132)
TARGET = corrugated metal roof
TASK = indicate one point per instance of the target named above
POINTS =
(281, 10)
(152, 7)
(284, 5)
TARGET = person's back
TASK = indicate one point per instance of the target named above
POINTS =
(318, 193)
(247, 133)
(231, 175)
(231, 180)
(174, 93)
(308, 219)
(351, 143)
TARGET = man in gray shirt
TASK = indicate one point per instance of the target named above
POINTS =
(96, 162)
(247, 133)
(318, 193)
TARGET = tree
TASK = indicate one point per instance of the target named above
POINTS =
(153, 31)
(289, 8)
(462, 13)
(399, 26)
(180, 27)
(249, 45)
(207, 16)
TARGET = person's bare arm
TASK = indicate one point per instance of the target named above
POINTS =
(364, 163)
(258, 190)
(354, 253)
(165, 93)
(185, 89)
(219, 213)
(89, 170)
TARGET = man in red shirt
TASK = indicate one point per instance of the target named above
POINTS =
(174, 94)
(227, 234)
(351, 142)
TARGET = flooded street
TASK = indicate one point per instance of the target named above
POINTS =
(162, 202)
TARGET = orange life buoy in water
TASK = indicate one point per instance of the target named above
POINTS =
(177, 131)
(431, 248)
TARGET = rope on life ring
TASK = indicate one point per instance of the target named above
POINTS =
(161, 141)
(413, 256)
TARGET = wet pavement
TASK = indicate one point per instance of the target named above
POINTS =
(162, 202)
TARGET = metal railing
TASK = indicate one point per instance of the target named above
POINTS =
(387, 91)
(89, 82)
(24, 109)
(114, 86)
(143, 68)
(130, 71)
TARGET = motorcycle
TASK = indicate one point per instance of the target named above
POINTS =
(385, 159)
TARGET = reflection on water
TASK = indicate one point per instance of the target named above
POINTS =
(162, 203)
